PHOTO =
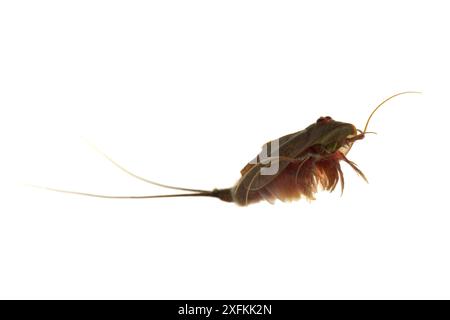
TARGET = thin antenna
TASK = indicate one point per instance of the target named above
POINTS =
(386, 100)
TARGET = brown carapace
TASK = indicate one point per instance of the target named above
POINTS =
(294, 166)
(306, 161)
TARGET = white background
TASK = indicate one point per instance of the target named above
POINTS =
(186, 92)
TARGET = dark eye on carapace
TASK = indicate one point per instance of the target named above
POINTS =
(324, 119)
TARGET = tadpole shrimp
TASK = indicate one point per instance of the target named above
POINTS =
(294, 166)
